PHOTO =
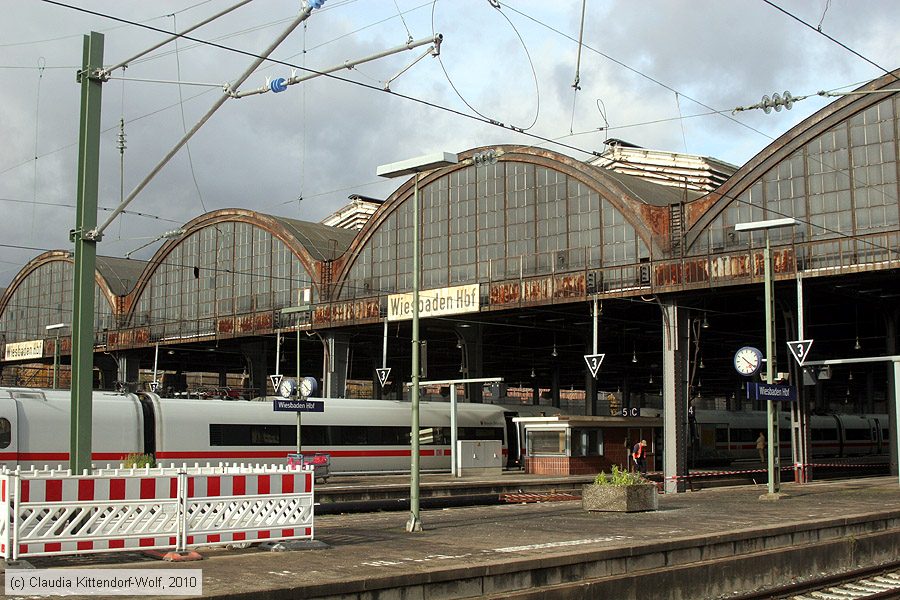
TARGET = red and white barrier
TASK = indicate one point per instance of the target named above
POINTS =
(58, 513)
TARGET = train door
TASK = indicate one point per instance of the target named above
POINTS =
(9, 438)
(514, 442)
(879, 437)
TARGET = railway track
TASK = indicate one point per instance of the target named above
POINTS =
(872, 583)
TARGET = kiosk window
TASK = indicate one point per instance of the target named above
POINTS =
(547, 442)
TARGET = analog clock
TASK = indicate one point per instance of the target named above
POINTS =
(287, 387)
(747, 360)
(308, 386)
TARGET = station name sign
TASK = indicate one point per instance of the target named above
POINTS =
(298, 405)
(24, 350)
(435, 303)
(771, 391)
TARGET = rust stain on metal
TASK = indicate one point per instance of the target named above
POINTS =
(225, 325)
(570, 286)
(783, 261)
(244, 323)
(505, 293)
(538, 289)
(346, 312)
(656, 218)
(263, 321)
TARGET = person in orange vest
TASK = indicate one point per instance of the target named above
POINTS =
(638, 455)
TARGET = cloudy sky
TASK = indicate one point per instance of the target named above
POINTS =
(651, 72)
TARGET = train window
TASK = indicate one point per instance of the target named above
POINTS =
(857, 434)
(744, 435)
(231, 434)
(351, 435)
(721, 435)
(480, 433)
(784, 434)
(822, 435)
(5, 433)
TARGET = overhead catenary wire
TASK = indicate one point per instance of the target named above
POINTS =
(576, 85)
(187, 146)
(820, 32)
(495, 4)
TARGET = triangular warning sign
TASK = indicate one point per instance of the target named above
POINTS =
(154, 385)
(276, 381)
(593, 362)
(800, 349)
(383, 374)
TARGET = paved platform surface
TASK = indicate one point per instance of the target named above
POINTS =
(374, 549)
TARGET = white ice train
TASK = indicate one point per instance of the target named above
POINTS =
(360, 435)
(732, 435)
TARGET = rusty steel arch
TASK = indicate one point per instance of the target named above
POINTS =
(647, 220)
(703, 211)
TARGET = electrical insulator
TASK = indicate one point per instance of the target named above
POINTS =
(776, 102)
(278, 85)
(488, 157)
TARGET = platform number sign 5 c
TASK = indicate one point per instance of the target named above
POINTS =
(631, 412)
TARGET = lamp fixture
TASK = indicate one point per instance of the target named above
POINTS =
(532, 372)
(554, 354)
(634, 356)
(857, 345)
(705, 323)
(701, 365)
(651, 378)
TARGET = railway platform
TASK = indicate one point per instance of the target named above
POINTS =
(704, 544)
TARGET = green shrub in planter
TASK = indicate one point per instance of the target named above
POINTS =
(619, 491)
(620, 477)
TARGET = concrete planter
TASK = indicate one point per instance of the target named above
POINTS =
(619, 498)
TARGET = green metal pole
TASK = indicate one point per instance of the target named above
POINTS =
(774, 461)
(85, 254)
(414, 524)
(56, 362)
(297, 390)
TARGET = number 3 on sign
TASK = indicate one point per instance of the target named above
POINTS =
(800, 350)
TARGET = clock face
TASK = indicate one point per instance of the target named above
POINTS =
(286, 389)
(747, 360)
(308, 387)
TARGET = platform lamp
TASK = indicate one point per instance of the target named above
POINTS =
(56, 327)
(774, 460)
(415, 166)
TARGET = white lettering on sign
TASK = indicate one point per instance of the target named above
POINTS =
(434, 303)
(24, 350)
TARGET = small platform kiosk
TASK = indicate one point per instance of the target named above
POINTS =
(582, 445)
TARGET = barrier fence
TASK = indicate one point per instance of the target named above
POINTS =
(55, 512)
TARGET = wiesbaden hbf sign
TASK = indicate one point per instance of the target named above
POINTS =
(435, 303)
